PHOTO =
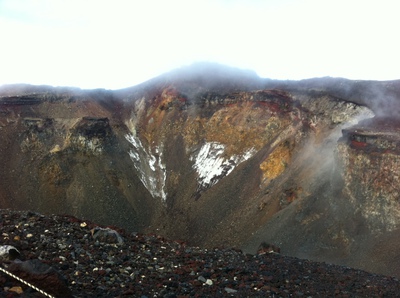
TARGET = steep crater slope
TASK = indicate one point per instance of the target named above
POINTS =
(62, 154)
(214, 157)
(353, 218)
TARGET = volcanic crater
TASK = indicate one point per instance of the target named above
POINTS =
(217, 157)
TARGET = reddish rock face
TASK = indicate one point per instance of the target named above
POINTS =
(218, 158)
(369, 153)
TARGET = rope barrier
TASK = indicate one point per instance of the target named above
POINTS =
(25, 282)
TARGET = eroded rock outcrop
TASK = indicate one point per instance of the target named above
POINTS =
(370, 158)
(91, 134)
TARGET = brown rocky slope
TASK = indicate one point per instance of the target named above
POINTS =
(216, 157)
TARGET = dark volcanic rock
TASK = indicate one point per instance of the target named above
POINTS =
(8, 252)
(42, 276)
(19, 100)
(151, 266)
(91, 127)
(106, 235)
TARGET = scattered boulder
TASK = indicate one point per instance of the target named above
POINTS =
(106, 235)
(8, 253)
(265, 248)
(42, 276)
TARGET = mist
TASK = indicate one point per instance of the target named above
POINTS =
(114, 45)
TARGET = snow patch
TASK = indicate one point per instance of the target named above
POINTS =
(212, 165)
(152, 171)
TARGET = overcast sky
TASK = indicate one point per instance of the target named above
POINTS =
(115, 44)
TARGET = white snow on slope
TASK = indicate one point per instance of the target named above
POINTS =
(152, 171)
(211, 164)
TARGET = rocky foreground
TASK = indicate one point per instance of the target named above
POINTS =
(67, 257)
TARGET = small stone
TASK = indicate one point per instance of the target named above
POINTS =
(202, 279)
(17, 290)
(209, 282)
(266, 288)
(230, 291)
(197, 283)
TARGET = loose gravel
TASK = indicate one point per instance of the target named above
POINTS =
(108, 262)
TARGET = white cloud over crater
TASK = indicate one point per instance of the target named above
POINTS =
(115, 44)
